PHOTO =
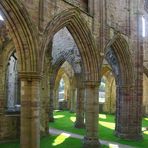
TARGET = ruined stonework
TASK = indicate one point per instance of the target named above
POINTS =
(47, 33)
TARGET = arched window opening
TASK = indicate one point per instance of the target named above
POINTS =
(143, 26)
(107, 91)
(61, 89)
(12, 84)
(102, 91)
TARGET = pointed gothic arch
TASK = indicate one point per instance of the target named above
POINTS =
(21, 31)
(57, 65)
(77, 26)
(118, 53)
(119, 57)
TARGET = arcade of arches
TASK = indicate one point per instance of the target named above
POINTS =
(84, 56)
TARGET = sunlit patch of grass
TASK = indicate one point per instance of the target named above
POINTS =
(146, 132)
(67, 122)
(113, 146)
(58, 116)
(102, 116)
(60, 139)
(106, 128)
(73, 119)
(107, 124)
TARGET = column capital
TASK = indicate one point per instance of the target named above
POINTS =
(29, 76)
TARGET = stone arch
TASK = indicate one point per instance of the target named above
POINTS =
(117, 52)
(57, 66)
(60, 61)
(25, 39)
(78, 28)
(62, 72)
(21, 31)
(105, 69)
(119, 57)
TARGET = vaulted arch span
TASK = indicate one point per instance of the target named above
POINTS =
(56, 68)
(118, 55)
(78, 28)
(21, 31)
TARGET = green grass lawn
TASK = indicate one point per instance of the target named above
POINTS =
(64, 120)
(59, 141)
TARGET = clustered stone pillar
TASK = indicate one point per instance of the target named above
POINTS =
(72, 99)
(126, 114)
(91, 115)
(2, 101)
(51, 118)
(56, 98)
(44, 105)
(110, 95)
(30, 121)
(1, 92)
(79, 123)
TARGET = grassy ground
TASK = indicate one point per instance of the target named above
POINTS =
(60, 141)
(65, 121)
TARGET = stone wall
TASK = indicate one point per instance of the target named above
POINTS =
(64, 49)
(9, 127)
(110, 21)
(9, 122)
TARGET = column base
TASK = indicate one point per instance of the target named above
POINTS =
(91, 142)
(79, 124)
(130, 136)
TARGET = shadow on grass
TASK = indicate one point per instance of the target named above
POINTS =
(106, 128)
(58, 141)
(66, 123)
(10, 145)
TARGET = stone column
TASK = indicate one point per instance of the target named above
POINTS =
(30, 121)
(109, 105)
(56, 98)
(51, 118)
(91, 116)
(129, 96)
(79, 123)
(44, 105)
(2, 101)
(68, 99)
(127, 114)
(72, 100)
